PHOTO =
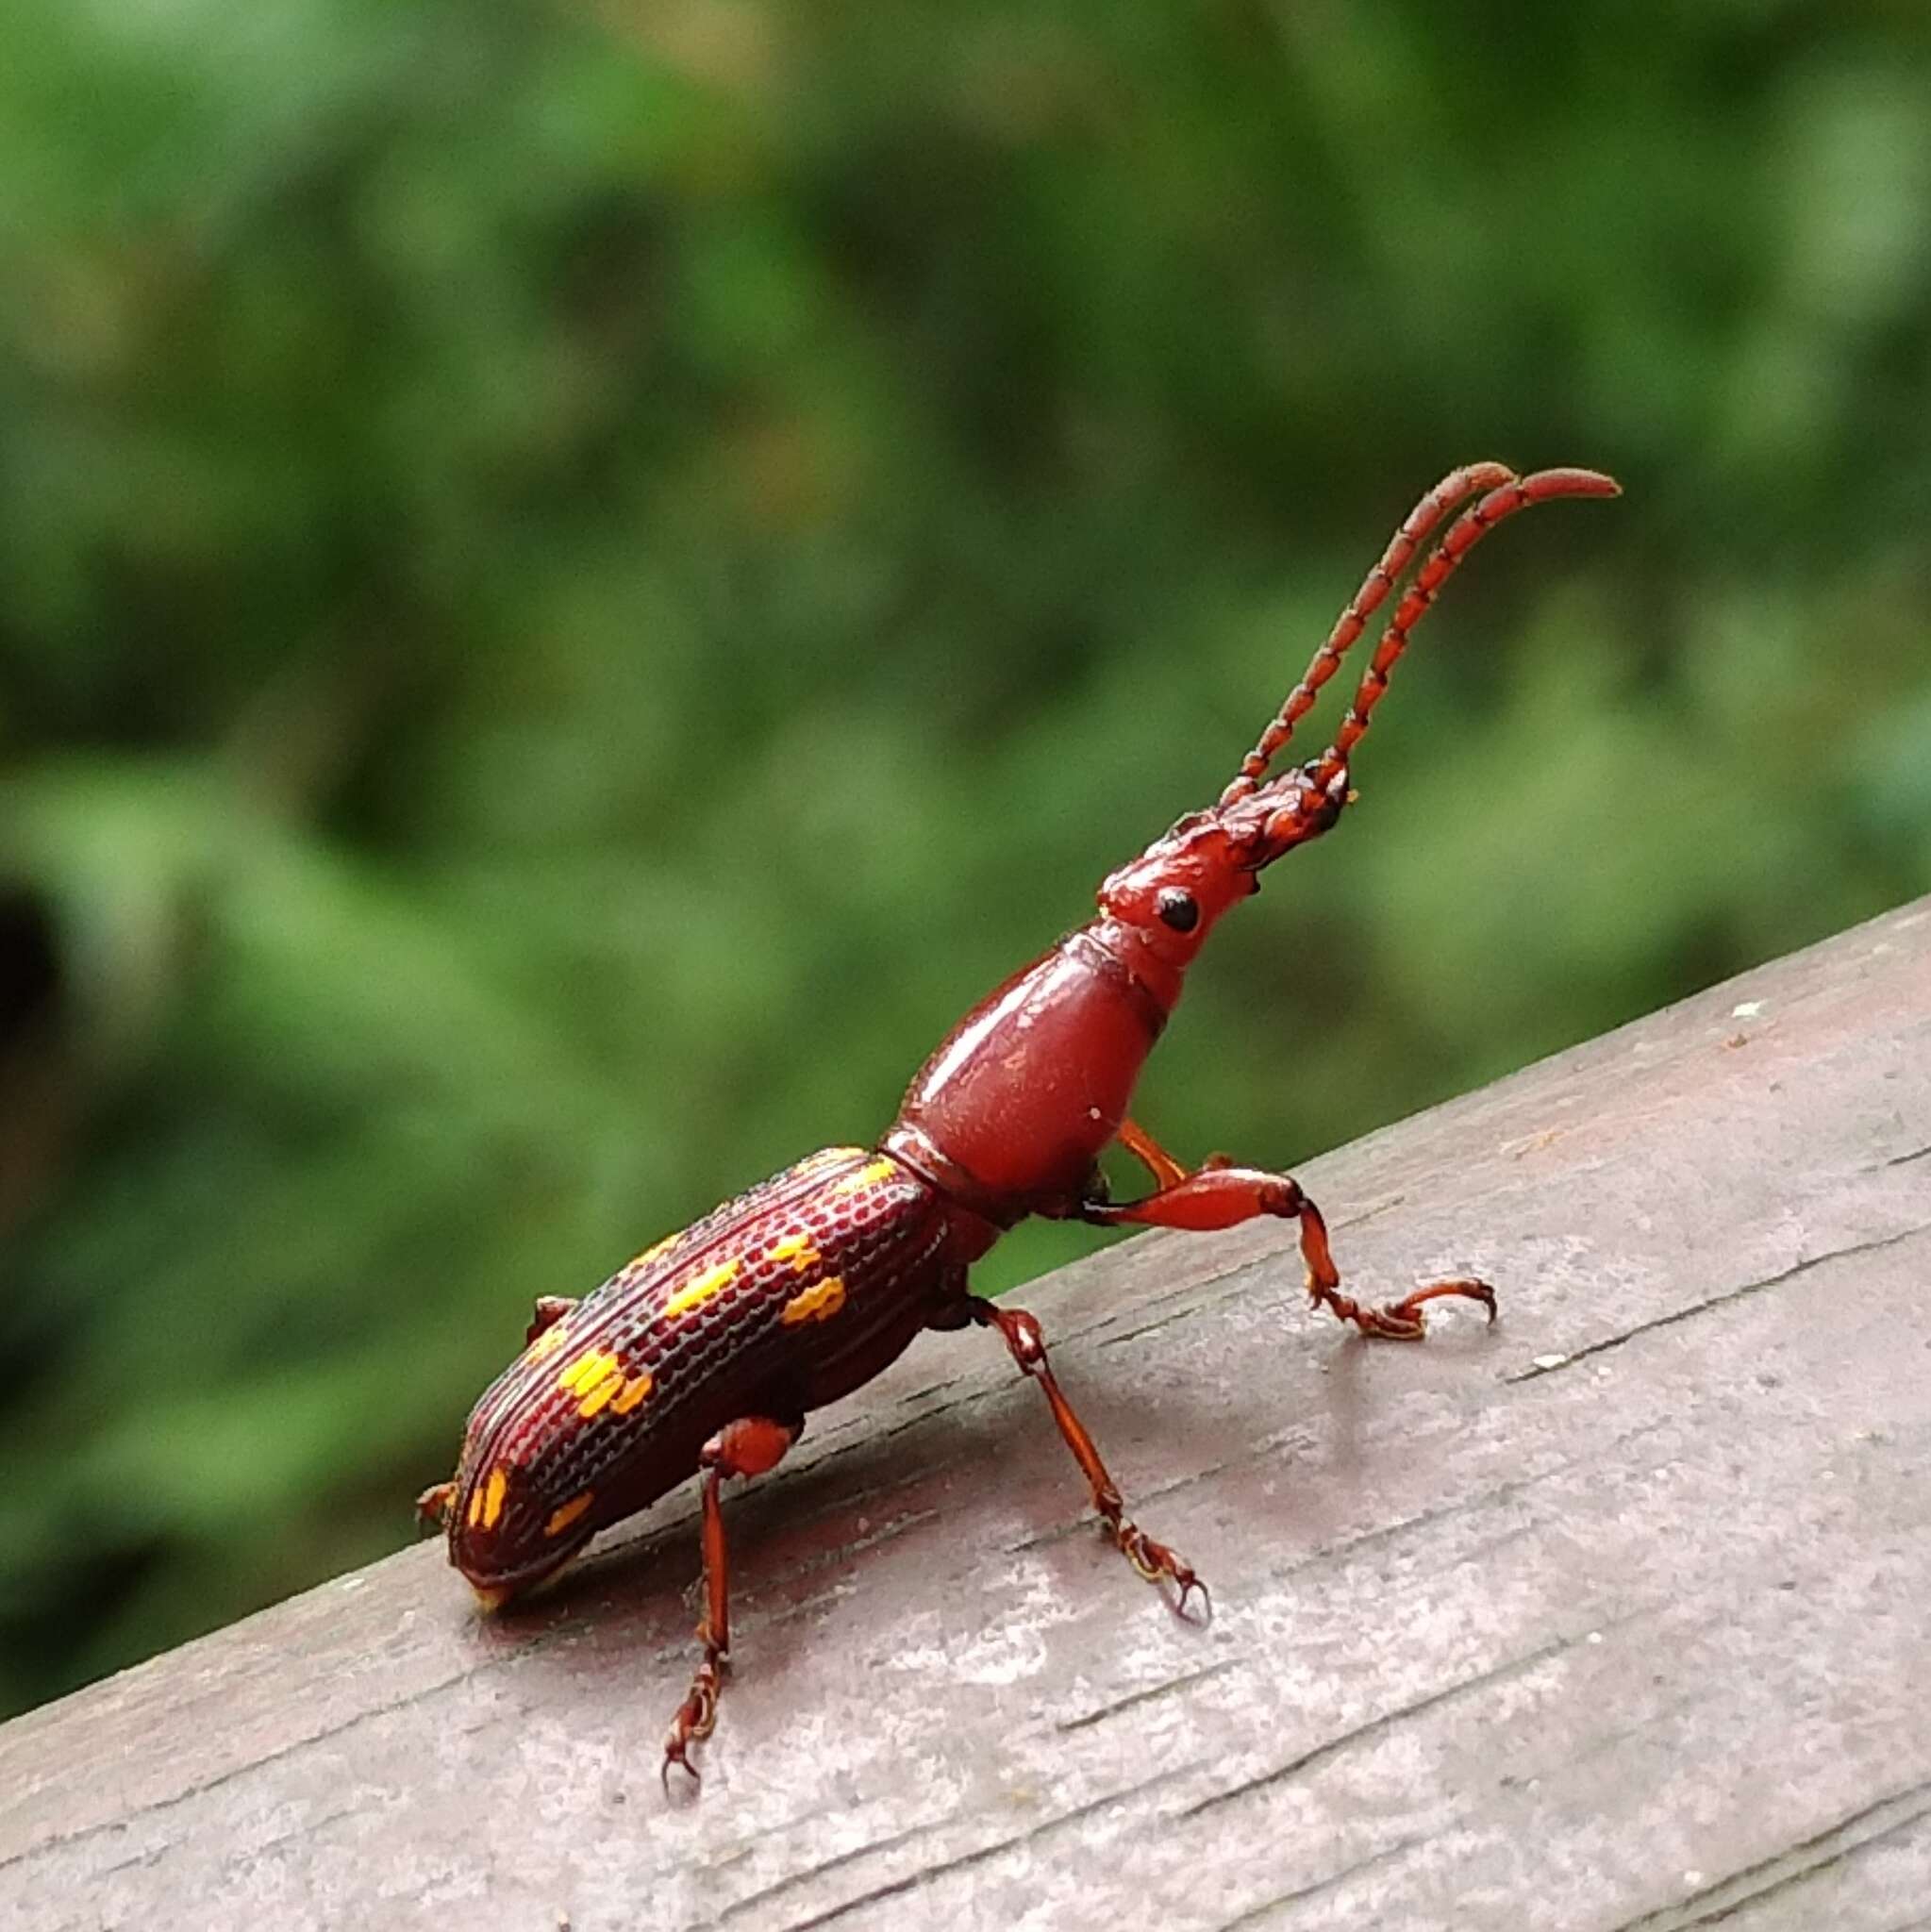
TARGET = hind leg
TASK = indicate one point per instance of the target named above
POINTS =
(749, 1447)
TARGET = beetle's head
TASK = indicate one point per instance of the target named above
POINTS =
(1173, 892)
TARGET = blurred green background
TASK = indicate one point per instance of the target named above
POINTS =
(575, 584)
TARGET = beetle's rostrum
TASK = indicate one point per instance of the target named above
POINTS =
(703, 1355)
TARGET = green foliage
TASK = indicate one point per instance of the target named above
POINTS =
(573, 588)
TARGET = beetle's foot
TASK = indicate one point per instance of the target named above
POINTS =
(1401, 1321)
(674, 1754)
(1407, 1311)
(432, 1506)
(696, 1718)
(1160, 1565)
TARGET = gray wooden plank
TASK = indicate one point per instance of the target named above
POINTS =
(1617, 1615)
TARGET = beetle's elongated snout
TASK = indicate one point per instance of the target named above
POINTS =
(1306, 804)
(1176, 891)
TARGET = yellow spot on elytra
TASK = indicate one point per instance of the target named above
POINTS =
(587, 1371)
(701, 1288)
(561, 1519)
(867, 1177)
(829, 1156)
(600, 1396)
(634, 1391)
(798, 1250)
(475, 1508)
(547, 1344)
(497, 1487)
(818, 1303)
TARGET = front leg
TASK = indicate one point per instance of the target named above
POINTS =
(1222, 1196)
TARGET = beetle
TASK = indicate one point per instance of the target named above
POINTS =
(703, 1355)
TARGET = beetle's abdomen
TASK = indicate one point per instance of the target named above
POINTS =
(779, 1301)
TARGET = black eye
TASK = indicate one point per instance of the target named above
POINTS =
(1176, 908)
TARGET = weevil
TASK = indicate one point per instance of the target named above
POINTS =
(703, 1356)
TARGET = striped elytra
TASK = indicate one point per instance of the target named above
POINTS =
(777, 1303)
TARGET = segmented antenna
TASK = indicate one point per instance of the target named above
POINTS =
(1504, 494)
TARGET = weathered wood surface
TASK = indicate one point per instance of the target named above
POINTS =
(1617, 1615)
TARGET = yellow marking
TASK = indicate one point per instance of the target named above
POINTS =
(586, 1370)
(869, 1175)
(701, 1288)
(829, 1156)
(561, 1519)
(818, 1303)
(797, 1249)
(547, 1344)
(491, 1597)
(492, 1499)
(634, 1391)
(475, 1508)
(599, 1396)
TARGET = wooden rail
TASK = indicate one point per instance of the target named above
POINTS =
(1614, 1616)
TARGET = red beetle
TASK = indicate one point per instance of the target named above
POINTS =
(705, 1352)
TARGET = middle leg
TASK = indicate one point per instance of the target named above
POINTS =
(748, 1447)
(1154, 1561)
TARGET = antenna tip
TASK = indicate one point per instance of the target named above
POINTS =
(1569, 482)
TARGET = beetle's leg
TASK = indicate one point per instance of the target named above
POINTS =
(1155, 1561)
(432, 1506)
(749, 1447)
(548, 1311)
(1166, 1171)
(1216, 1197)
